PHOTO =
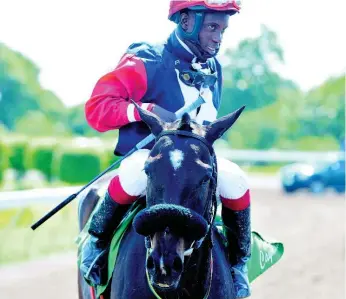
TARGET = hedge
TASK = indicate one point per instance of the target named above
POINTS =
(73, 161)
(78, 164)
(18, 147)
(40, 156)
(4, 156)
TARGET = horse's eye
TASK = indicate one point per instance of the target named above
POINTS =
(205, 179)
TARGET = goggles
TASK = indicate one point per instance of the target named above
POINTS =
(222, 3)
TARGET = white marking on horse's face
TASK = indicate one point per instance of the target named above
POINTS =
(176, 157)
(162, 266)
(201, 163)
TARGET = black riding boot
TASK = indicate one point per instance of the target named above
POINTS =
(237, 226)
(95, 251)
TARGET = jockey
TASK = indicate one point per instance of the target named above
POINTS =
(162, 79)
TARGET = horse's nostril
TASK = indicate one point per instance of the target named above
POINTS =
(177, 264)
(150, 263)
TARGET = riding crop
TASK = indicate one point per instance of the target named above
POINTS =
(200, 100)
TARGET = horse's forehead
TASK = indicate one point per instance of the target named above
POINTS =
(177, 153)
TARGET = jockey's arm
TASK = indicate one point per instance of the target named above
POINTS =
(110, 107)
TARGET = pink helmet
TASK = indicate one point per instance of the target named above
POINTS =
(231, 6)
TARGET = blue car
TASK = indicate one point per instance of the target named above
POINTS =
(314, 177)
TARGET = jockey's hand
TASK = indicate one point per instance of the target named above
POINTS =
(241, 281)
(164, 114)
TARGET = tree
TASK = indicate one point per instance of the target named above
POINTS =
(324, 112)
(248, 76)
(78, 123)
(20, 90)
(36, 123)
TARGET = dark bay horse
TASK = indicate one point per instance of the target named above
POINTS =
(173, 249)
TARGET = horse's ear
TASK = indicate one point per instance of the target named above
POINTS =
(217, 128)
(154, 123)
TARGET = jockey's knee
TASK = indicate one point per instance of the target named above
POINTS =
(233, 185)
(131, 181)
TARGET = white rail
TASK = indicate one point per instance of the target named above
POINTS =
(278, 155)
(21, 199)
(54, 195)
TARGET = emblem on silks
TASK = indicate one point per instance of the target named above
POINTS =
(196, 78)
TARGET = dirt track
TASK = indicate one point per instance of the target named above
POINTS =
(312, 229)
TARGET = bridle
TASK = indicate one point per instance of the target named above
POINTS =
(209, 210)
(210, 207)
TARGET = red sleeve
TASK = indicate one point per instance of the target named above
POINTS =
(109, 106)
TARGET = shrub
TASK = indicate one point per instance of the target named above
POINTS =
(18, 147)
(78, 162)
(40, 156)
(4, 155)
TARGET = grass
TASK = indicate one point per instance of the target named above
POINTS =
(20, 243)
(263, 169)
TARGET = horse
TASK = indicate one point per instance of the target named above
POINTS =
(173, 248)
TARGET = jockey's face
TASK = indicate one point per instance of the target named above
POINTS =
(211, 33)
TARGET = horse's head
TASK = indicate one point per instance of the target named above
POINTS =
(181, 171)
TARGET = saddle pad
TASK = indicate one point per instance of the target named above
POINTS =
(264, 252)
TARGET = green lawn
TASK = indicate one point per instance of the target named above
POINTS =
(265, 169)
(19, 242)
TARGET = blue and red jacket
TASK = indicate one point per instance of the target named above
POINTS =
(148, 75)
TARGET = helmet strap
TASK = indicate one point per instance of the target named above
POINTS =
(195, 47)
(193, 35)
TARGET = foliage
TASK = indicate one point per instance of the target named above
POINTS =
(20, 90)
(278, 114)
(4, 157)
(79, 126)
(40, 156)
(78, 164)
(315, 143)
(77, 122)
(36, 123)
(324, 113)
(18, 147)
(248, 76)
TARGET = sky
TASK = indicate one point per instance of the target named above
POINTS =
(75, 42)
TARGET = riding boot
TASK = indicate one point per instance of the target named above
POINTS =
(95, 251)
(237, 226)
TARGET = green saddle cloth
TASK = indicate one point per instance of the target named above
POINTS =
(264, 254)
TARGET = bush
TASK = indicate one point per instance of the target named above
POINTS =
(4, 155)
(40, 156)
(78, 163)
(109, 154)
(18, 147)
